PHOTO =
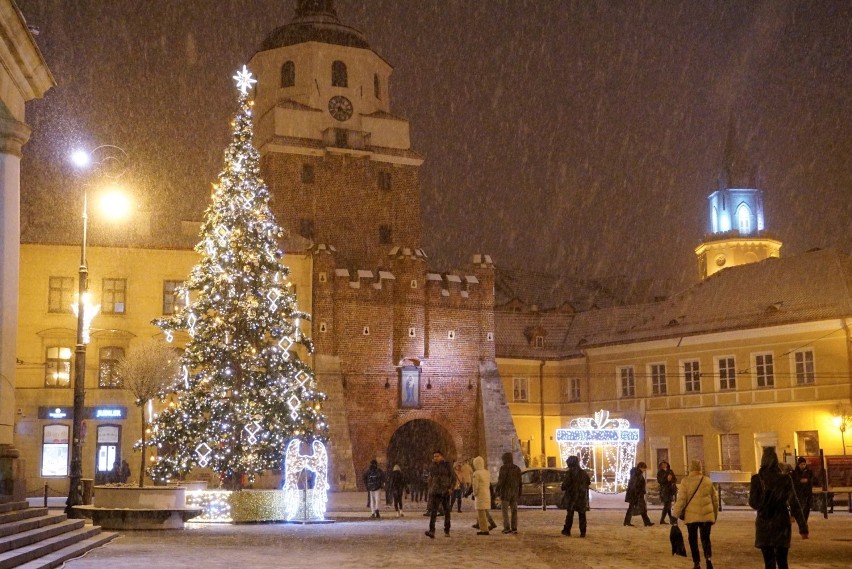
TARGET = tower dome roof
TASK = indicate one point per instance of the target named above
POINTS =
(314, 20)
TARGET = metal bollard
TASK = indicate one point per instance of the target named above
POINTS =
(45, 494)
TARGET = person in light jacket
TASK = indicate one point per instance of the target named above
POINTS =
(698, 501)
(481, 484)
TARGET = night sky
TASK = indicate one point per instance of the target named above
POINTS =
(579, 138)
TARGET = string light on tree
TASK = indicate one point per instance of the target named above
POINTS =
(244, 392)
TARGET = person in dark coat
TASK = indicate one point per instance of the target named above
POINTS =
(668, 491)
(803, 482)
(576, 495)
(772, 494)
(508, 488)
(374, 480)
(635, 496)
(442, 479)
(396, 481)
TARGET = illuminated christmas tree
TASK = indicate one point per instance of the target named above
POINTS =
(243, 393)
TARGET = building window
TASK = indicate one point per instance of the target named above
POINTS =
(692, 376)
(54, 450)
(307, 174)
(384, 181)
(727, 373)
(694, 448)
(574, 389)
(338, 74)
(306, 228)
(807, 443)
(108, 453)
(744, 219)
(288, 74)
(729, 445)
(173, 301)
(377, 91)
(628, 381)
(384, 234)
(520, 389)
(114, 296)
(764, 369)
(658, 379)
(804, 362)
(539, 341)
(663, 455)
(57, 368)
(108, 361)
(60, 294)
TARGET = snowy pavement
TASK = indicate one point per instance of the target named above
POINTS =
(356, 541)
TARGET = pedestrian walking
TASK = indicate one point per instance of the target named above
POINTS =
(465, 477)
(125, 471)
(508, 489)
(441, 482)
(481, 484)
(668, 491)
(698, 505)
(772, 494)
(803, 482)
(457, 489)
(575, 497)
(396, 482)
(374, 480)
(635, 496)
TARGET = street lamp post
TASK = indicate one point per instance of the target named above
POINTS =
(842, 421)
(75, 489)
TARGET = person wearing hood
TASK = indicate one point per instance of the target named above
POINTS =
(668, 491)
(509, 489)
(803, 482)
(397, 485)
(698, 502)
(576, 495)
(635, 496)
(481, 481)
(374, 480)
(772, 494)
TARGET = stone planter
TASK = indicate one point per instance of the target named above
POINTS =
(134, 508)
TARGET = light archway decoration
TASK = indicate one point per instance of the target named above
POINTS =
(606, 448)
(305, 504)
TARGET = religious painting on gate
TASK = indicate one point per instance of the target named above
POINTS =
(409, 387)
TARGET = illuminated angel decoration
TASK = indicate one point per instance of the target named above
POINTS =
(305, 503)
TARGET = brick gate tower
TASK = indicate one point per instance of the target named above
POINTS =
(405, 354)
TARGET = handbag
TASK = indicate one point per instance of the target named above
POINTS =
(682, 516)
(676, 537)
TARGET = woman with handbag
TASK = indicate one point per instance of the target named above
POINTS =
(698, 505)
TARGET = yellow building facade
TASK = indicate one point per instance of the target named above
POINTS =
(133, 286)
(755, 356)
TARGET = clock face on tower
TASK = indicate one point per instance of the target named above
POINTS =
(340, 107)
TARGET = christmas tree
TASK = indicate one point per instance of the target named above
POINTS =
(243, 393)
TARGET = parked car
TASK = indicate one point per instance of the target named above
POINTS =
(531, 481)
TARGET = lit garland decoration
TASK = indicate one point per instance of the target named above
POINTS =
(605, 446)
(306, 503)
(215, 504)
(244, 391)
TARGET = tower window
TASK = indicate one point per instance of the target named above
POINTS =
(384, 181)
(385, 234)
(288, 74)
(307, 174)
(306, 228)
(377, 86)
(744, 219)
(339, 76)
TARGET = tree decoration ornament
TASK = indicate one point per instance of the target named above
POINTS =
(306, 503)
(605, 446)
(244, 391)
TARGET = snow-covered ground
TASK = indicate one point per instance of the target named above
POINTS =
(357, 541)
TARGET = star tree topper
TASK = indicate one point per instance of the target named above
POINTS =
(244, 80)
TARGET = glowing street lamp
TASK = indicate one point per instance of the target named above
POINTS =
(842, 420)
(110, 161)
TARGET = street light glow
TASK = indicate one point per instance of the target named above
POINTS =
(80, 158)
(115, 204)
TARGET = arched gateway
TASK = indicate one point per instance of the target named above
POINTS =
(413, 443)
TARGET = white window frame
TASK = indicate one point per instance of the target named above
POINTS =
(760, 370)
(626, 382)
(521, 389)
(693, 381)
(728, 374)
(657, 380)
(806, 376)
(55, 449)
